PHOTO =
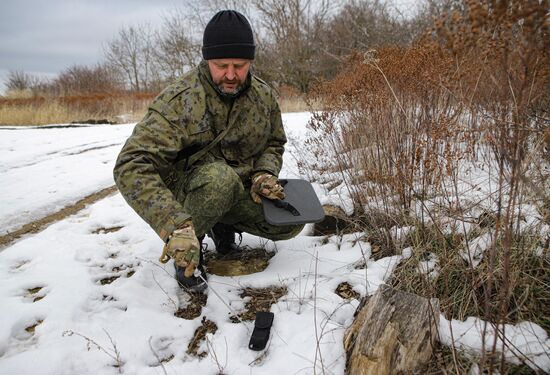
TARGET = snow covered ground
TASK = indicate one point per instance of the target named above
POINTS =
(46, 168)
(59, 317)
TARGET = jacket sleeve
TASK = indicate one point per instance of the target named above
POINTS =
(271, 160)
(153, 146)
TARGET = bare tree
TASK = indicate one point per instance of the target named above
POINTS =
(82, 79)
(131, 53)
(364, 25)
(430, 10)
(177, 48)
(292, 39)
(19, 80)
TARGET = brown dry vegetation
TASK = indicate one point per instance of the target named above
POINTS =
(25, 109)
(401, 122)
(40, 110)
(257, 300)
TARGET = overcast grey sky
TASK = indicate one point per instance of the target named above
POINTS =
(45, 36)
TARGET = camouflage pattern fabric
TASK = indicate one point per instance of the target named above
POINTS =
(214, 193)
(152, 170)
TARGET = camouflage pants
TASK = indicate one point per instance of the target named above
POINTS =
(213, 193)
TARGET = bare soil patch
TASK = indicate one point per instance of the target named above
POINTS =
(94, 122)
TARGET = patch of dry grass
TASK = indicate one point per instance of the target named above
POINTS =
(464, 290)
(200, 335)
(48, 113)
(24, 110)
(290, 104)
(257, 300)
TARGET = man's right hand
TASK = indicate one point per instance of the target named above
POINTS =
(184, 246)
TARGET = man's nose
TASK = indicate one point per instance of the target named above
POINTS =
(230, 73)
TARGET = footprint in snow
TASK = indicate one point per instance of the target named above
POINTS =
(20, 266)
(160, 350)
(23, 336)
(113, 270)
(102, 302)
(35, 294)
(108, 265)
(107, 230)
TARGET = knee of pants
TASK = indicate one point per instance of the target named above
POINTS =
(215, 179)
(287, 232)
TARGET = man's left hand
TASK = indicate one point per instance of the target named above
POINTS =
(267, 185)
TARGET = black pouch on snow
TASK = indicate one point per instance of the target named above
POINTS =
(262, 327)
(300, 205)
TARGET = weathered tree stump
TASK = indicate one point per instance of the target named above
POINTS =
(393, 333)
(333, 222)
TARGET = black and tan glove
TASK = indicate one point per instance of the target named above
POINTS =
(184, 247)
(267, 185)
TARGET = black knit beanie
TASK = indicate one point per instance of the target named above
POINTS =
(228, 35)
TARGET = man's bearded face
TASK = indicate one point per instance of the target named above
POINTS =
(229, 74)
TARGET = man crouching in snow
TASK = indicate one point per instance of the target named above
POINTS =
(209, 146)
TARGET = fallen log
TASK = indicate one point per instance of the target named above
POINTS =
(393, 333)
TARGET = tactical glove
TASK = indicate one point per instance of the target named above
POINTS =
(267, 185)
(183, 245)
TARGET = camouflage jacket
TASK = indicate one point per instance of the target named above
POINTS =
(184, 118)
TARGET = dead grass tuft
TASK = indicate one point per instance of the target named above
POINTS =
(345, 290)
(259, 300)
(206, 327)
(194, 306)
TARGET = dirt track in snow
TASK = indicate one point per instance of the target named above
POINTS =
(40, 224)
